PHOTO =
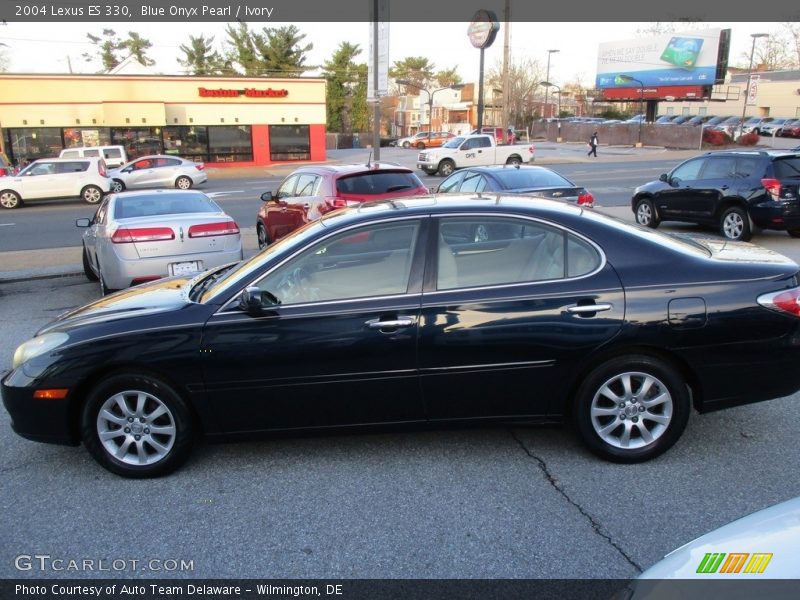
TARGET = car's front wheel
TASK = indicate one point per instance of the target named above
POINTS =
(183, 183)
(263, 238)
(646, 213)
(92, 194)
(87, 267)
(117, 186)
(9, 199)
(446, 167)
(632, 408)
(735, 224)
(137, 426)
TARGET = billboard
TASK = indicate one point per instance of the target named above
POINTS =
(669, 93)
(679, 59)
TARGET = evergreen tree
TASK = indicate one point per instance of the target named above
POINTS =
(280, 52)
(416, 69)
(137, 47)
(241, 51)
(341, 73)
(199, 56)
(107, 47)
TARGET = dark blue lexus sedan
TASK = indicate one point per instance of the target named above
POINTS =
(396, 312)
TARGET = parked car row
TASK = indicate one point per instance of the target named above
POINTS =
(86, 176)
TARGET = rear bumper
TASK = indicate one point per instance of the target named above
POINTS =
(121, 272)
(777, 215)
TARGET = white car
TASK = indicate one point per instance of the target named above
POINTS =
(146, 235)
(46, 178)
(411, 141)
(158, 170)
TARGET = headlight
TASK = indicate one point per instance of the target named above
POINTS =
(36, 346)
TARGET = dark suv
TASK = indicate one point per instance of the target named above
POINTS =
(733, 190)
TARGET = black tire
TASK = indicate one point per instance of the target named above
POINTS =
(129, 402)
(263, 238)
(9, 199)
(183, 183)
(734, 224)
(87, 267)
(104, 289)
(91, 194)
(660, 414)
(795, 233)
(406, 145)
(646, 214)
(446, 167)
(514, 160)
(420, 146)
(117, 185)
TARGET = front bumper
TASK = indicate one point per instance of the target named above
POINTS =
(37, 420)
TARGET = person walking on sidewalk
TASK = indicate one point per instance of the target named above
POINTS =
(593, 145)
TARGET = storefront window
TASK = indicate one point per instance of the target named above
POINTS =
(29, 143)
(138, 141)
(187, 142)
(230, 143)
(86, 136)
(289, 142)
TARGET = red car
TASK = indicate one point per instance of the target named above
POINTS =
(310, 192)
(791, 129)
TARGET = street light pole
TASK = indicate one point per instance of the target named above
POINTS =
(749, 77)
(430, 94)
(629, 79)
(547, 78)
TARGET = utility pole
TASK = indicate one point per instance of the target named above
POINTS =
(506, 59)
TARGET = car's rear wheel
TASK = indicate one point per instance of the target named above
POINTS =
(406, 145)
(87, 267)
(420, 146)
(137, 426)
(631, 408)
(646, 213)
(104, 289)
(117, 186)
(735, 224)
(9, 199)
(183, 183)
(263, 238)
(92, 194)
(446, 167)
(514, 160)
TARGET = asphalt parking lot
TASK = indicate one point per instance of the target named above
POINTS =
(480, 502)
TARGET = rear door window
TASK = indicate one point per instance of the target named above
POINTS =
(73, 166)
(722, 167)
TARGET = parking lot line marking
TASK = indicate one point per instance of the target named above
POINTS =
(7, 224)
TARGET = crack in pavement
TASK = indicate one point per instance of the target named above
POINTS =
(595, 525)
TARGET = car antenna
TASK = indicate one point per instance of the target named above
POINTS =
(369, 159)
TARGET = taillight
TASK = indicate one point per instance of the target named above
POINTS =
(213, 229)
(787, 301)
(199, 166)
(773, 187)
(101, 168)
(585, 199)
(531, 149)
(129, 235)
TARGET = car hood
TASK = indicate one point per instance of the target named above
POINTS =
(774, 530)
(147, 299)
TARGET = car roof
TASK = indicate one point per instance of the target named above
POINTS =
(349, 169)
(175, 193)
(501, 168)
(64, 160)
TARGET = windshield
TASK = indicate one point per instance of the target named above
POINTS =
(454, 143)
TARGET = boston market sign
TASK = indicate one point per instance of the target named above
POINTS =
(247, 92)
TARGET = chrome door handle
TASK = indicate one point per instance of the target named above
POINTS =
(394, 324)
(589, 308)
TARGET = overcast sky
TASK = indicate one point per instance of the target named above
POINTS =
(44, 47)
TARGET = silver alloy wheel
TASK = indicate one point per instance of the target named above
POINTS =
(117, 186)
(644, 216)
(733, 225)
(9, 200)
(92, 194)
(183, 183)
(446, 168)
(136, 428)
(631, 410)
(514, 161)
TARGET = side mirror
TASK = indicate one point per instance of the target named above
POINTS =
(268, 197)
(255, 301)
(83, 222)
(664, 177)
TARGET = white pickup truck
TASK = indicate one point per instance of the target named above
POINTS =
(471, 151)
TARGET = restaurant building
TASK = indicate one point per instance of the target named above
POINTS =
(221, 121)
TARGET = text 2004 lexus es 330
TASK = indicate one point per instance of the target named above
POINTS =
(397, 312)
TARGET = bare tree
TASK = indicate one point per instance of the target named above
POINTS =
(770, 54)
(792, 33)
(524, 76)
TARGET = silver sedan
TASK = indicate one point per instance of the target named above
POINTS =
(157, 170)
(141, 236)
